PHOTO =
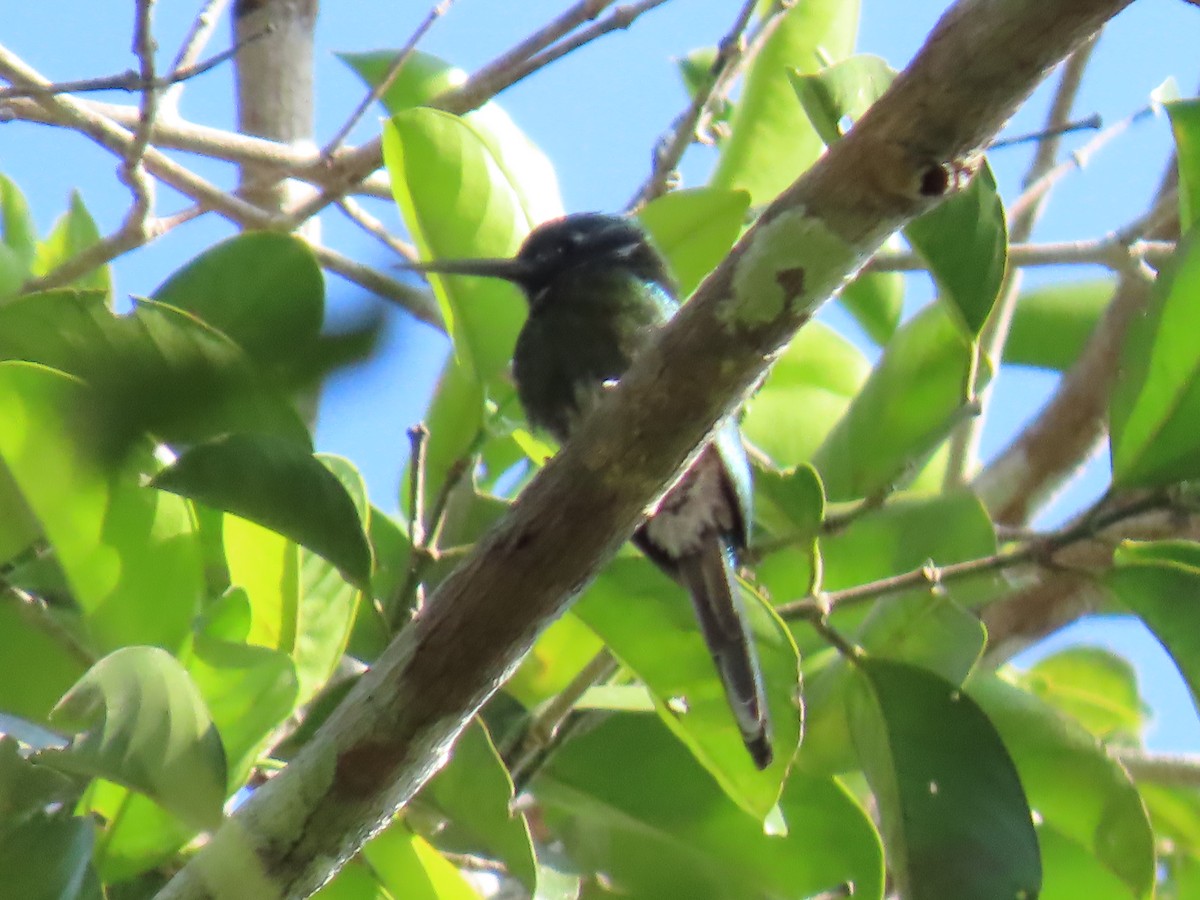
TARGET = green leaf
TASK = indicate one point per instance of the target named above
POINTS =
(1150, 579)
(18, 237)
(423, 77)
(557, 656)
(1185, 125)
(648, 623)
(74, 232)
(1076, 788)
(955, 819)
(49, 856)
(925, 629)
(629, 802)
(39, 657)
(694, 229)
(791, 504)
(844, 90)
(398, 863)
(281, 486)
(130, 554)
(1052, 323)
(262, 290)
(26, 789)
(249, 691)
(457, 202)
(807, 391)
(1095, 686)
(1156, 399)
(914, 396)
(965, 242)
(157, 370)
(474, 793)
(771, 141)
(143, 723)
(876, 300)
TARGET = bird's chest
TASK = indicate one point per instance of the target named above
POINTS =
(565, 357)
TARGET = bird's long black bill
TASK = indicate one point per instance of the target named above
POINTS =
(708, 577)
(509, 269)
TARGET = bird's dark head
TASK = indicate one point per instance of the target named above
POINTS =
(572, 246)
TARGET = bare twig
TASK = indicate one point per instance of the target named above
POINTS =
(1041, 548)
(197, 38)
(544, 733)
(682, 132)
(1114, 252)
(1091, 123)
(376, 229)
(415, 301)
(1168, 769)
(129, 80)
(386, 82)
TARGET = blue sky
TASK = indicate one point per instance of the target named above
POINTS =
(597, 115)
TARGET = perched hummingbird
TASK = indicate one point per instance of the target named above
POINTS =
(598, 291)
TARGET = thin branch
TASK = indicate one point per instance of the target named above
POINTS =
(1036, 189)
(545, 732)
(133, 171)
(1114, 252)
(393, 71)
(368, 223)
(193, 45)
(128, 80)
(682, 132)
(1042, 548)
(1167, 769)
(1091, 123)
(418, 303)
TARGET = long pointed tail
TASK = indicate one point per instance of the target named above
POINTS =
(708, 577)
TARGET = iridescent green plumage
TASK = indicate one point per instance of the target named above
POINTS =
(598, 291)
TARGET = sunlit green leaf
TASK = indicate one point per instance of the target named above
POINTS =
(1185, 125)
(1156, 399)
(1052, 323)
(955, 819)
(841, 92)
(807, 391)
(474, 793)
(130, 554)
(143, 723)
(908, 405)
(964, 240)
(771, 140)
(1095, 686)
(74, 232)
(694, 229)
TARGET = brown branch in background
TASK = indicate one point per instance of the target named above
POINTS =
(964, 440)
(388, 79)
(1041, 549)
(682, 132)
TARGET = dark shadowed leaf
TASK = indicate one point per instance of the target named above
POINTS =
(1073, 784)
(627, 800)
(49, 856)
(281, 486)
(955, 819)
